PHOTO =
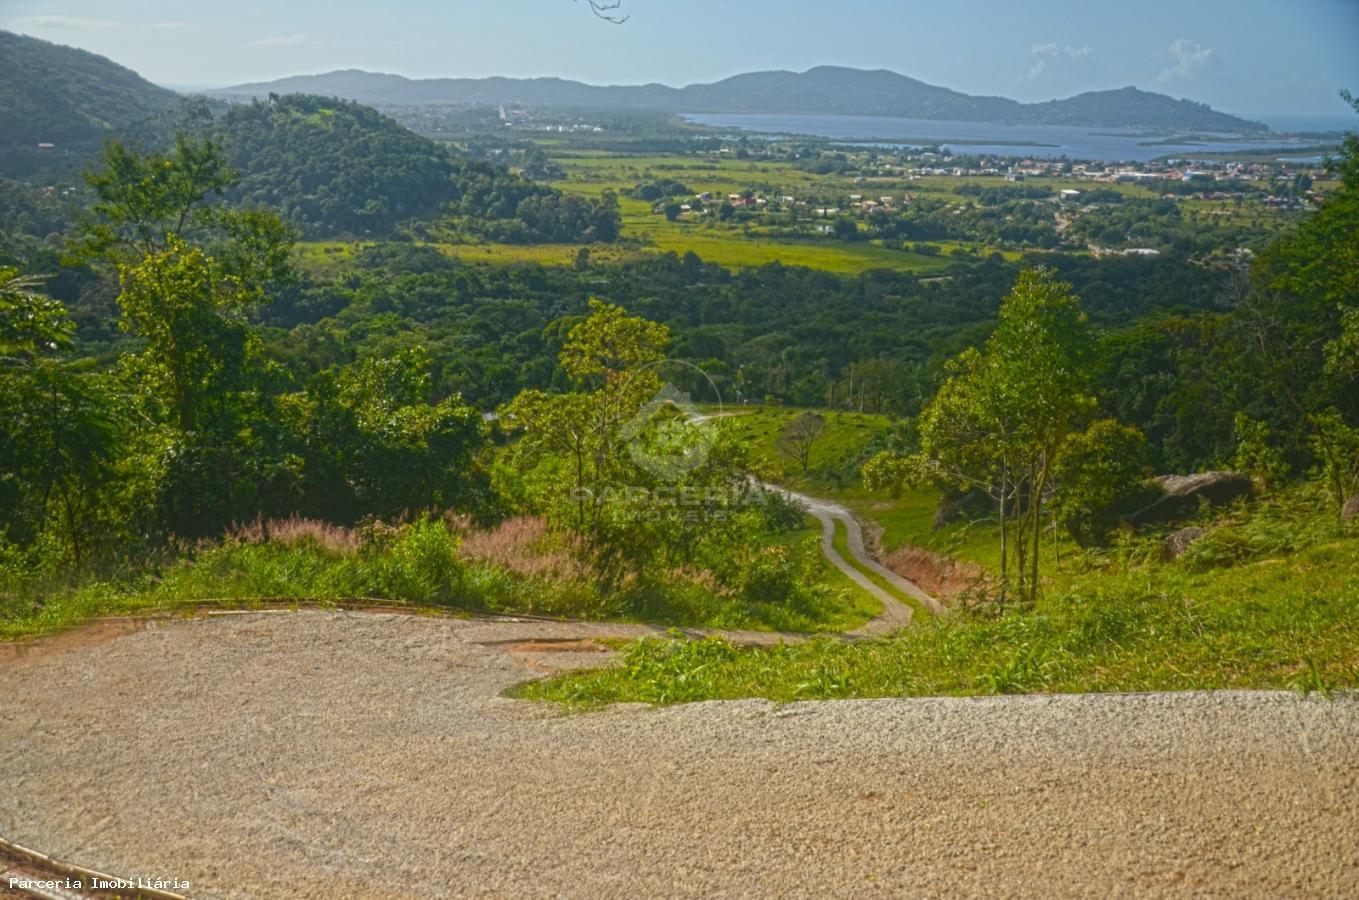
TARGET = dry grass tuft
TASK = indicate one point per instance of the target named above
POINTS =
(522, 545)
(297, 530)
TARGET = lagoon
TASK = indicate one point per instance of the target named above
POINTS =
(994, 138)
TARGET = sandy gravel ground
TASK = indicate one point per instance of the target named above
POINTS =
(323, 754)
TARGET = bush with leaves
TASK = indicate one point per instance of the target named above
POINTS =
(1256, 454)
(1098, 471)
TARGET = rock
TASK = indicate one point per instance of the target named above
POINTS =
(1173, 547)
(1350, 509)
(1181, 495)
(956, 508)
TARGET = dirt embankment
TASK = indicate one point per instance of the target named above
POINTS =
(949, 579)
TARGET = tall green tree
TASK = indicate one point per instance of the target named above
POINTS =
(1298, 327)
(619, 462)
(369, 441)
(59, 424)
(189, 270)
(609, 358)
(1000, 419)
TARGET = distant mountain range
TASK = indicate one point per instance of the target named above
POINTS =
(825, 90)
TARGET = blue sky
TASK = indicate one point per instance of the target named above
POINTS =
(1249, 56)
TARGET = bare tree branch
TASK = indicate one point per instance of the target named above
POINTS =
(608, 11)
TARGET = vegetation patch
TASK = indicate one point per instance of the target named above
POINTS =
(515, 567)
(1286, 620)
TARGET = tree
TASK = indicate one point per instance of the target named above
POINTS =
(672, 211)
(197, 340)
(143, 200)
(59, 428)
(609, 357)
(619, 464)
(1000, 419)
(371, 442)
(1255, 455)
(1298, 324)
(189, 269)
(1098, 469)
(1041, 351)
(798, 437)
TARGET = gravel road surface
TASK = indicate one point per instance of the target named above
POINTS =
(323, 754)
(895, 615)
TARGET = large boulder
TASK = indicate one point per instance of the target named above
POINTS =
(1173, 547)
(953, 508)
(1350, 509)
(1182, 495)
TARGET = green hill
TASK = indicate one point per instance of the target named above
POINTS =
(334, 167)
(72, 99)
(330, 167)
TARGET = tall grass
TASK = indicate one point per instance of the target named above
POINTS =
(516, 567)
(1268, 599)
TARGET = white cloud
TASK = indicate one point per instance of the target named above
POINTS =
(1049, 56)
(170, 26)
(72, 22)
(281, 40)
(1188, 57)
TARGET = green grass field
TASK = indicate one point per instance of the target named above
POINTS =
(835, 455)
(731, 248)
(746, 245)
(725, 247)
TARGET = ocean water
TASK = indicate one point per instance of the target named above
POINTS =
(1048, 141)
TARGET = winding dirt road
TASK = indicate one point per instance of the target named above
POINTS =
(895, 614)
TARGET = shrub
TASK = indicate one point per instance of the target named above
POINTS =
(770, 577)
(422, 565)
(1255, 456)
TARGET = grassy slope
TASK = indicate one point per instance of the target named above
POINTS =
(835, 455)
(426, 568)
(1289, 619)
(1266, 601)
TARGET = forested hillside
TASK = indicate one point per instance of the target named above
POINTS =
(790, 334)
(333, 167)
(329, 167)
(72, 99)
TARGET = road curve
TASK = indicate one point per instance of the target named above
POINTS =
(895, 614)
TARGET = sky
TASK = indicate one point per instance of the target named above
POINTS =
(1243, 57)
